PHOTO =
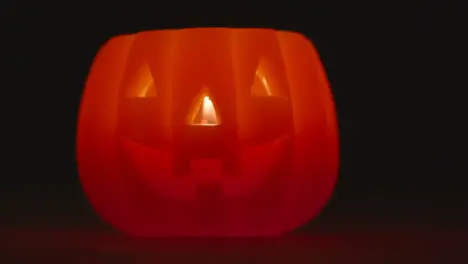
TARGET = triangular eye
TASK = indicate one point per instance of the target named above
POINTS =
(142, 84)
(203, 111)
(263, 84)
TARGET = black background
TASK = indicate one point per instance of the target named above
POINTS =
(393, 72)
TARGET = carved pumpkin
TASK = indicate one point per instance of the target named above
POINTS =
(207, 132)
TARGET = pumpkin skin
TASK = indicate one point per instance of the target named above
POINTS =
(269, 166)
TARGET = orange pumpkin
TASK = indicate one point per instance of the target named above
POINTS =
(207, 132)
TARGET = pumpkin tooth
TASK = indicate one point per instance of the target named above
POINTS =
(210, 200)
(181, 165)
(231, 161)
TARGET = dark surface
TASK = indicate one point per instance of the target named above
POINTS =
(393, 74)
(359, 246)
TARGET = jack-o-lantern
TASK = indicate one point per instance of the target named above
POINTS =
(207, 132)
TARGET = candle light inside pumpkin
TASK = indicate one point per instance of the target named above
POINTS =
(203, 137)
(208, 113)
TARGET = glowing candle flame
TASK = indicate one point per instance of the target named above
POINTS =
(208, 113)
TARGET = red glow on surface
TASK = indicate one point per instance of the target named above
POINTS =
(266, 163)
(352, 246)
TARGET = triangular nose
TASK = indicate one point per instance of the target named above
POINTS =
(203, 111)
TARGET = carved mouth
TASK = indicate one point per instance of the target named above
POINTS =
(155, 168)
